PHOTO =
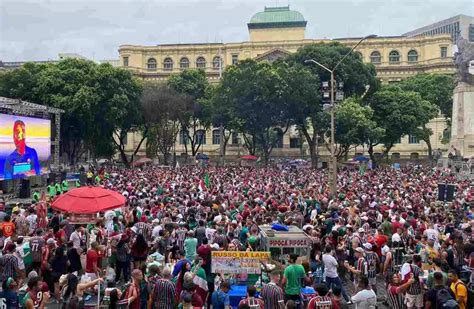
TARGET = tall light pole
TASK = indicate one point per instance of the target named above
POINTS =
(333, 161)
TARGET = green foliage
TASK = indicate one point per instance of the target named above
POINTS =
(399, 113)
(256, 97)
(354, 126)
(98, 100)
(355, 74)
(435, 88)
(194, 86)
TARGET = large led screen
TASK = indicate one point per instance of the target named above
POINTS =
(25, 146)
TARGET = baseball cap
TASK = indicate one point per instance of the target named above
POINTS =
(359, 249)
(367, 246)
(361, 230)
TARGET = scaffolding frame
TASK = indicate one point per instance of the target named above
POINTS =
(25, 108)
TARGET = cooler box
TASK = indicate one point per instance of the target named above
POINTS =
(236, 294)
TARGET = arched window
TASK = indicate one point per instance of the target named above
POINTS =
(216, 136)
(184, 63)
(412, 56)
(151, 64)
(375, 57)
(359, 54)
(394, 57)
(168, 64)
(200, 137)
(201, 63)
(216, 62)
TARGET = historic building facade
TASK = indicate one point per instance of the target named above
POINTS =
(277, 32)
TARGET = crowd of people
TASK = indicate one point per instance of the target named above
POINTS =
(384, 239)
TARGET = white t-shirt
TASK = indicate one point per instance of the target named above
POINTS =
(155, 233)
(365, 299)
(330, 266)
(432, 234)
(76, 240)
(32, 222)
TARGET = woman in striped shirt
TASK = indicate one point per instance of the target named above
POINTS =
(396, 291)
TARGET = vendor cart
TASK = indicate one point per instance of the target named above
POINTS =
(283, 243)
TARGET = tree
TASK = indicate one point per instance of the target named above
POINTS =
(193, 120)
(354, 126)
(162, 106)
(438, 90)
(98, 100)
(399, 113)
(303, 99)
(435, 88)
(221, 114)
(355, 75)
(257, 92)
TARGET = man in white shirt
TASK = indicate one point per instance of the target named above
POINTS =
(366, 297)
(330, 272)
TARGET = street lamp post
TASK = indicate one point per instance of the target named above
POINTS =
(333, 161)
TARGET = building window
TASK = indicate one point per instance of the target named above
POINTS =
(412, 56)
(375, 57)
(471, 33)
(235, 59)
(396, 155)
(394, 57)
(413, 139)
(216, 136)
(200, 63)
(125, 61)
(151, 64)
(168, 64)
(359, 54)
(184, 63)
(235, 138)
(183, 137)
(295, 142)
(444, 52)
(200, 137)
(216, 62)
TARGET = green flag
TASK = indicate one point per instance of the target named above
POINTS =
(206, 180)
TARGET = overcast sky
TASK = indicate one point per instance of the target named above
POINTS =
(40, 29)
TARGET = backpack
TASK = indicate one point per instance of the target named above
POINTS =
(444, 299)
(470, 295)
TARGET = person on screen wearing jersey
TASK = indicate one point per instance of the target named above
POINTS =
(21, 155)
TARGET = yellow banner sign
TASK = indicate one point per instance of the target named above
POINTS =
(238, 262)
(241, 254)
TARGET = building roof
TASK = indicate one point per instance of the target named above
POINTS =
(440, 23)
(277, 17)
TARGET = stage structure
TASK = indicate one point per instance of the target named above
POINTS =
(25, 108)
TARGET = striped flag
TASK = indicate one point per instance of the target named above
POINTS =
(200, 281)
(202, 186)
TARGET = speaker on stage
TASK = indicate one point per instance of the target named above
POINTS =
(446, 192)
(450, 190)
(441, 192)
(25, 189)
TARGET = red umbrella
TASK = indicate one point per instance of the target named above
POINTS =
(249, 157)
(142, 161)
(88, 200)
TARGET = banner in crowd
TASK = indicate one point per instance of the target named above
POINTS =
(238, 262)
(25, 146)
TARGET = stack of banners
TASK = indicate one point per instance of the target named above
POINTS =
(238, 262)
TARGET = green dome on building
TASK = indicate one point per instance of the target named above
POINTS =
(277, 17)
